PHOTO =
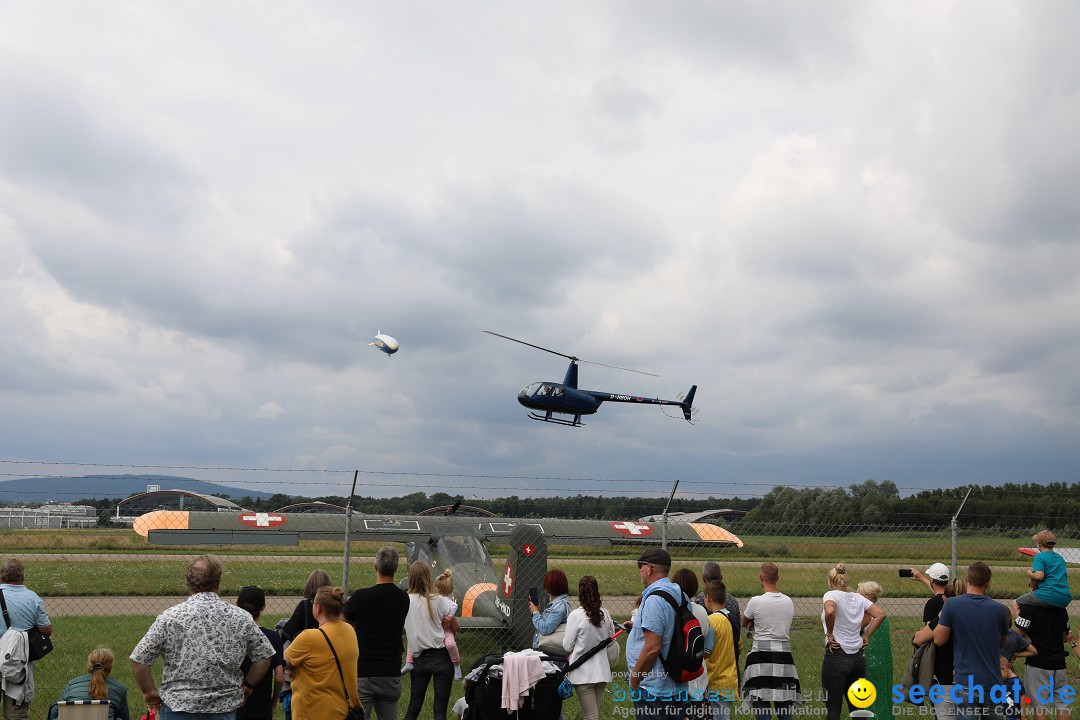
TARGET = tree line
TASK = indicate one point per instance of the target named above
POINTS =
(807, 510)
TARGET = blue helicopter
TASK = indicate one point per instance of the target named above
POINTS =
(566, 399)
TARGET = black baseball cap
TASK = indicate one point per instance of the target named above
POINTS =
(655, 556)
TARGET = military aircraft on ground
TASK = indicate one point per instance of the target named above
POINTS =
(487, 599)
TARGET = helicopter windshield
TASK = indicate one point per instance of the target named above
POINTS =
(529, 389)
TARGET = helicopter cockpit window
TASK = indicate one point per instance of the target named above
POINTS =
(556, 392)
(462, 549)
(543, 391)
(418, 551)
(529, 389)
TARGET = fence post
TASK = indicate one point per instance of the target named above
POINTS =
(348, 527)
(953, 525)
(663, 518)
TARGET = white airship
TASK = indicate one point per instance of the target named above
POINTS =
(385, 343)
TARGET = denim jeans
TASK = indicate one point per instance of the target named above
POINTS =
(838, 671)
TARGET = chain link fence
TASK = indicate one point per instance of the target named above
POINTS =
(105, 587)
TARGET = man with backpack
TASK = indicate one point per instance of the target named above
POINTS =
(665, 647)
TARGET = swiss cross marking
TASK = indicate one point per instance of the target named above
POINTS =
(262, 520)
(629, 527)
(508, 580)
(528, 549)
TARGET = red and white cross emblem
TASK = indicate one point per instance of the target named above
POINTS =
(629, 527)
(508, 580)
(262, 520)
(528, 549)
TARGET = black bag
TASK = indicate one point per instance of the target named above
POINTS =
(356, 712)
(39, 644)
(686, 652)
(484, 695)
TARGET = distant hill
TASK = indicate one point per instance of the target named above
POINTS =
(35, 490)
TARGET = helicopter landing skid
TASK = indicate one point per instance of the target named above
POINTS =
(547, 417)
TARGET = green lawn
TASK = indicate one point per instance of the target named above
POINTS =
(76, 636)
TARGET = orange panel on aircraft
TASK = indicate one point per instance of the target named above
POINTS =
(161, 520)
(470, 597)
(713, 533)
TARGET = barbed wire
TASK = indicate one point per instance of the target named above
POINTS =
(666, 483)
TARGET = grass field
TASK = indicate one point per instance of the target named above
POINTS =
(163, 575)
(75, 637)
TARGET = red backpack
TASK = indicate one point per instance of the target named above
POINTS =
(686, 651)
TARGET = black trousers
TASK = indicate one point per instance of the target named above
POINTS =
(431, 665)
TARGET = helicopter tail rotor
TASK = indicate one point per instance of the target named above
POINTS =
(687, 404)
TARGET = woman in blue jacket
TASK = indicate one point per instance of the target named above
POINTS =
(558, 608)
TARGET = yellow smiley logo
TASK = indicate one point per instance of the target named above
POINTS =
(862, 693)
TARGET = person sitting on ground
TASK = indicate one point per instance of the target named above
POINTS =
(97, 685)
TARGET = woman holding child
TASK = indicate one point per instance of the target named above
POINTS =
(425, 630)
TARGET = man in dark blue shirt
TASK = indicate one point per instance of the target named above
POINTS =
(978, 626)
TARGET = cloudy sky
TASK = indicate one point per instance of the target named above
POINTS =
(854, 225)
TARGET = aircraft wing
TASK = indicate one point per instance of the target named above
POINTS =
(1069, 555)
(182, 527)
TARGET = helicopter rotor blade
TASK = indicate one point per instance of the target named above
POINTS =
(570, 357)
(553, 352)
(618, 367)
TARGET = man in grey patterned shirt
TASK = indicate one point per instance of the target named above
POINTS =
(202, 642)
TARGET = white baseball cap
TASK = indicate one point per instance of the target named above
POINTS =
(938, 571)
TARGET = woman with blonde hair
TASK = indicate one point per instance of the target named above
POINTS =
(323, 661)
(97, 685)
(879, 659)
(424, 628)
(842, 618)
